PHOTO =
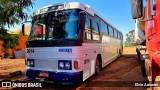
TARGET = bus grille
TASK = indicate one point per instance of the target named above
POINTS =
(46, 64)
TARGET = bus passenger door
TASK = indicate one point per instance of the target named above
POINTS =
(87, 49)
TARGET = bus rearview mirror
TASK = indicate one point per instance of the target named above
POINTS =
(23, 27)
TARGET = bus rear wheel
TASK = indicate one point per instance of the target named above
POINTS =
(97, 66)
(120, 53)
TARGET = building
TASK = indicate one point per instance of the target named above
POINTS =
(20, 51)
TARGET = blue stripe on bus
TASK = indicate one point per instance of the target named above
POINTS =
(65, 50)
(57, 77)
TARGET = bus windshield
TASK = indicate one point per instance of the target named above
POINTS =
(55, 25)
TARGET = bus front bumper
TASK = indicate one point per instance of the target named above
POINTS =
(56, 77)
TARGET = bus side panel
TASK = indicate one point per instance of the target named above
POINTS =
(90, 52)
(105, 49)
(110, 50)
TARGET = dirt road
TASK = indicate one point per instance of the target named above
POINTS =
(122, 74)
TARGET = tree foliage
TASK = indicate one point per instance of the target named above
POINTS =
(130, 38)
(10, 41)
(12, 11)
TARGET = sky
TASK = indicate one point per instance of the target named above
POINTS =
(116, 12)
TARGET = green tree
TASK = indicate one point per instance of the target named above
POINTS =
(10, 41)
(130, 38)
(13, 11)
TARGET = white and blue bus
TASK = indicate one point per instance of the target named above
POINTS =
(69, 42)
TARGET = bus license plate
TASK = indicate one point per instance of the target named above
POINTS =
(43, 74)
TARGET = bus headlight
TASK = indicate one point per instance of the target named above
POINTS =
(61, 65)
(65, 64)
(30, 62)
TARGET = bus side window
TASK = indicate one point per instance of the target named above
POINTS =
(115, 33)
(104, 27)
(118, 35)
(95, 31)
(87, 35)
(110, 31)
(122, 36)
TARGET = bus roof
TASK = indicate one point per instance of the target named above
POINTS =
(69, 5)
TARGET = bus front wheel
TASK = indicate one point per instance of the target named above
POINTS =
(97, 66)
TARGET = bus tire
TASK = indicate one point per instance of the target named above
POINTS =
(147, 67)
(97, 66)
(142, 63)
(138, 55)
(120, 52)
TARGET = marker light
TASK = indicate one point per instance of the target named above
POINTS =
(67, 65)
(76, 64)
